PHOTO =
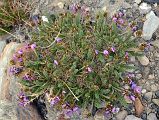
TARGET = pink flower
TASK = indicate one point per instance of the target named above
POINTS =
(58, 39)
(105, 52)
(33, 46)
(20, 52)
(97, 52)
(115, 19)
(89, 69)
(132, 97)
(55, 62)
(121, 21)
(113, 49)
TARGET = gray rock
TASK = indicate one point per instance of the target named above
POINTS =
(2, 45)
(157, 93)
(155, 43)
(148, 96)
(138, 1)
(154, 87)
(143, 91)
(152, 1)
(121, 115)
(152, 116)
(132, 117)
(138, 76)
(143, 60)
(150, 25)
(144, 8)
(156, 101)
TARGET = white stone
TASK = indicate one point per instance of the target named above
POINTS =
(144, 8)
(61, 5)
(151, 77)
(143, 91)
(132, 117)
(104, 8)
(150, 25)
(156, 101)
(143, 60)
(45, 19)
(121, 115)
(148, 96)
(152, 116)
(138, 1)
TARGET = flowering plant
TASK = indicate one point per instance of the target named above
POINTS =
(76, 61)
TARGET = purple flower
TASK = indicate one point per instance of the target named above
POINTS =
(20, 60)
(68, 112)
(107, 114)
(121, 14)
(137, 89)
(134, 28)
(20, 52)
(105, 52)
(132, 97)
(113, 49)
(121, 21)
(23, 99)
(55, 62)
(58, 39)
(115, 110)
(131, 75)
(33, 46)
(96, 52)
(133, 85)
(126, 54)
(115, 19)
(15, 70)
(76, 110)
(27, 77)
(74, 8)
(54, 101)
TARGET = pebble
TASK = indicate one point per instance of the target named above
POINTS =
(150, 25)
(148, 96)
(152, 116)
(132, 117)
(60, 5)
(156, 101)
(151, 77)
(144, 8)
(152, 1)
(154, 87)
(155, 43)
(157, 93)
(138, 76)
(143, 91)
(144, 116)
(121, 115)
(138, 1)
(143, 60)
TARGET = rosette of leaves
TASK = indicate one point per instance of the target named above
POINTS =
(13, 12)
(70, 62)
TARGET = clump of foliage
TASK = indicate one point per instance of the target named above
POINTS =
(78, 60)
(12, 13)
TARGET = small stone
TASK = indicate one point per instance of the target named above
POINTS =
(60, 5)
(151, 77)
(104, 8)
(99, 115)
(155, 43)
(143, 60)
(152, 116)
(157, 93)
(154, 87)
(143, 91)
(156, 101)
(138, 1)
(132, 117)
(152, 1)
(144, 116)
(132, 59)
(121, 115)
(138, 76)
(144, 8)
(148, 96)
(150, 25)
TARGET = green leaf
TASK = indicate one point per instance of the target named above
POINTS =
(101, 58)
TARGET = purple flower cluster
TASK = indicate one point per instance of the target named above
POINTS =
(23, 99)
(135, 88)
(70, 112)
(28, 77)
(117, 18)
(54, 101)
(15, 70)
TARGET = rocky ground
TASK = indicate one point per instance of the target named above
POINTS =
(146, 13)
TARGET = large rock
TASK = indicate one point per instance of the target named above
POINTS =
(156, 101)
(152, 1)
(144, 8)
(150, 25)
(143, 60)
(9, 108)
(121, 115)
(132, 117)
(152, 116)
